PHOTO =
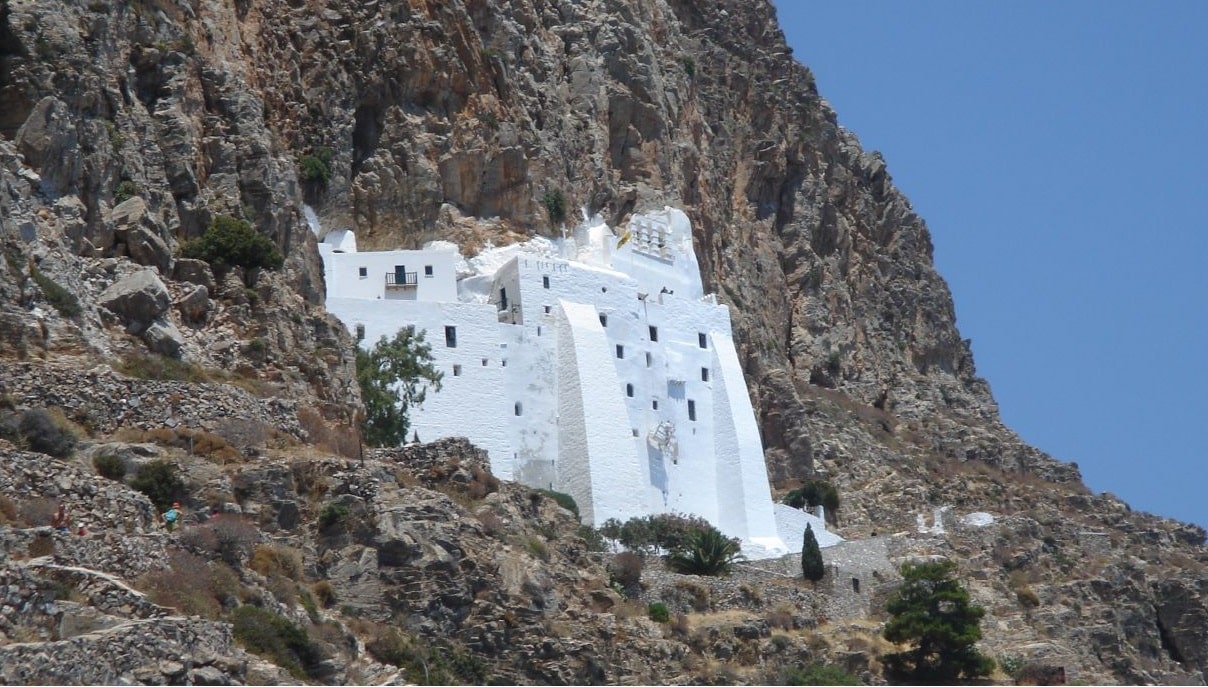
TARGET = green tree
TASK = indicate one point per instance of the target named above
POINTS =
(816, 493)
(392, 378)
(555, 205)
(812, 567)
(931, 610)
(160, 482)
(231, 242)
(707, 552)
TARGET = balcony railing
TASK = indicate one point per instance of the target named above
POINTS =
(409, 280)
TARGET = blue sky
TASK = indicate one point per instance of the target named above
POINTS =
(1059, 154)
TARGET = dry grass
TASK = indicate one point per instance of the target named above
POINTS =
(330, 436)
(193, 441)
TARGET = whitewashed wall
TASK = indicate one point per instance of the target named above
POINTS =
(584, 381)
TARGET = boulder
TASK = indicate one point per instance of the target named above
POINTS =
(164, 338)
(195, 272)
(138, 299)
(141, 232)
(194, 304)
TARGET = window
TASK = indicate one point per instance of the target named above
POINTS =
(451, 337)
(704, 374)
(484, 362)
(603, 320)
(427, 270)
(649, 359)
(503, 299)
(362, 272)
(538, 330)
(457, 370)
(360, 332)
(547, 310)
(503, 363)
(545, 282)
(620, 351)
(629, 390)
(654, 405)
(654, 333)
(635, 431)
(692, 410)
(519, 409)
(702, 340)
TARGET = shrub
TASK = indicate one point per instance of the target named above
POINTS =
(230, 538)
(125, 190)
(231, 242)
(8, 510)
(666, 531)
(815, 493)
(324, 593)
(109, 466)
(625, 569)
(275, 638)
(158, 367)
(44, 434)
(706, 553)
(591, 538)
(537, 547)
(424, 664)
(565, 500)
(659, 613)
(275, 560)
(817, 674)
(62, 300)
(41, 545)
(159, 481)
(555, 205)
(331, 516)
(316, 169)
(193, 585)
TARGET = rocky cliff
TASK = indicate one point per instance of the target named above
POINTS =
(126, 128)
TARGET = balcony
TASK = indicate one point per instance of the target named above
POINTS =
(401, 280)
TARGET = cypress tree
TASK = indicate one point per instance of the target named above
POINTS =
(812, 567)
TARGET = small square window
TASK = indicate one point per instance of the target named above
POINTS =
(547, 310)
(654, 333)
(702, 340)
(603, 320)
(451, 337)
(457, 370)
(362, 272)
(620, 351)
(635, 431)
(629, 390)
(704, 374)
(427, 270)
(484, 362)
(545, 282)
(692, 410)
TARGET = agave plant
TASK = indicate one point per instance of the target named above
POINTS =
(707, 552)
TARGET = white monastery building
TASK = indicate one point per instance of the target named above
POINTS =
(594, 365)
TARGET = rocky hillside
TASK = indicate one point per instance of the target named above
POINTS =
(127, 128)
